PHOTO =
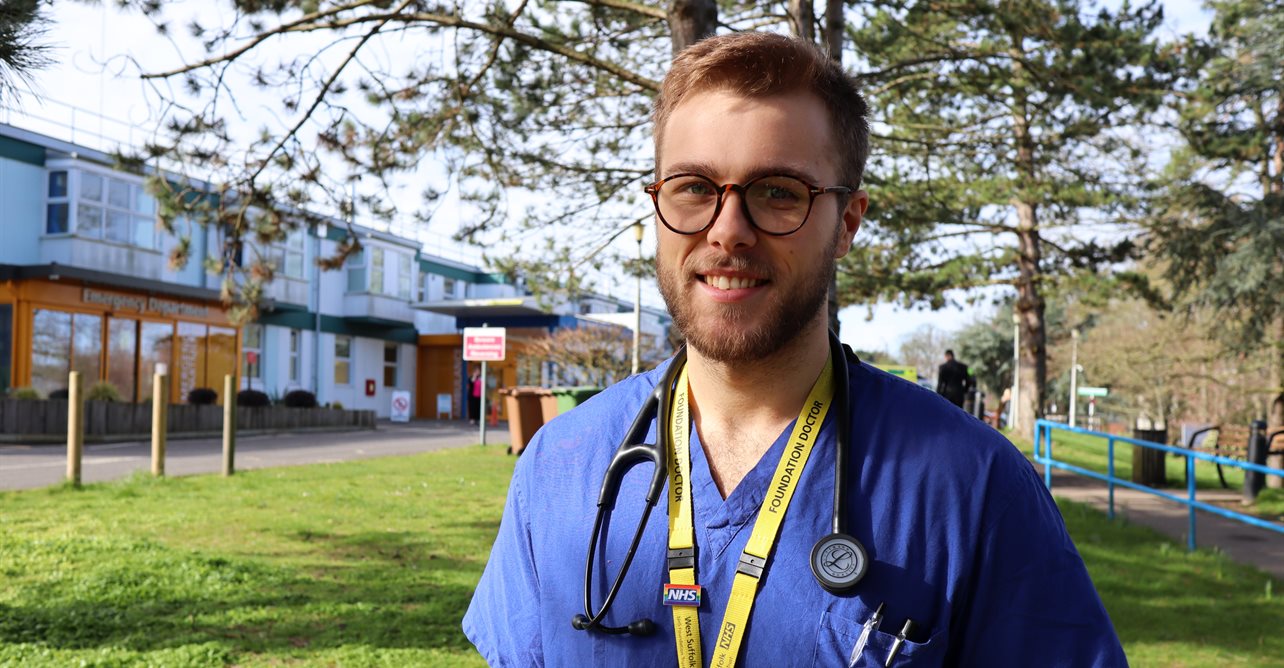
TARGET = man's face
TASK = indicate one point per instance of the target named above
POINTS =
(736, 293)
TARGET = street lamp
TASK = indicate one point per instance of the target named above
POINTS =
(1014, 407)
(1074, 372)
(638, 230)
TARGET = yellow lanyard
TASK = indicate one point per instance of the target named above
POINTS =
(753, 561)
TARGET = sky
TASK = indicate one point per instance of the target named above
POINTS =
(93, 96)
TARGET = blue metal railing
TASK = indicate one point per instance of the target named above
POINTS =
(1043, 454)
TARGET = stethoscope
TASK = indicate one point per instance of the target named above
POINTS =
(838, 561)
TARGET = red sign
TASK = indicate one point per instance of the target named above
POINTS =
(484, 344)
(370, 387)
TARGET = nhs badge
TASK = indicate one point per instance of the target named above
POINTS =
(682, 595)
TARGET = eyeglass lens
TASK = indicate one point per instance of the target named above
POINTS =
(776, 204)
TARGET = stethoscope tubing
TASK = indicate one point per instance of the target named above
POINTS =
(634, 450)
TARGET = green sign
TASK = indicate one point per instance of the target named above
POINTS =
(1094, 391)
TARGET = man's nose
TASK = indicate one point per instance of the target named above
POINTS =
(732, 230)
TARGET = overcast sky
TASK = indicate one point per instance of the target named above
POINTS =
(95, 90)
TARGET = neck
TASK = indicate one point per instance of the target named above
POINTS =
(741, 407)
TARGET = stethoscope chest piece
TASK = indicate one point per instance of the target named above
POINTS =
(839, 562)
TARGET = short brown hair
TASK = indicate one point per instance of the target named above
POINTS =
(754, 64)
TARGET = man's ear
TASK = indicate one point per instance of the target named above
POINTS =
(853, 214)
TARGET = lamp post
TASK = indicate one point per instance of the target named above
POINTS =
(638, 230)
(1074, 372)
(1014, 409)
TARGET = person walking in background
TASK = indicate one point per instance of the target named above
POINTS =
(952, 379)
(474, 396)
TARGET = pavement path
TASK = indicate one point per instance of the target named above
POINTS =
(1240, 542)
(29, 466)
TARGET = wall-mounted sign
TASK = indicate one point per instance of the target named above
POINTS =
(124, 302)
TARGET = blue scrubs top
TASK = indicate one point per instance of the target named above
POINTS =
(962, 537)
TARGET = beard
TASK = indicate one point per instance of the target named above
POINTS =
(725, 332)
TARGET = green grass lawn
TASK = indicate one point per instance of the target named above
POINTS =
(372, 563)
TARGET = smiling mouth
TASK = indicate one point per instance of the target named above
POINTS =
(731, 282)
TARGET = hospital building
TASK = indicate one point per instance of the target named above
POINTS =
(85, 285)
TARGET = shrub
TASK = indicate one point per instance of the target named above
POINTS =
(252, 399)
(60, 393)
(24, 393)
(103, 391)
(300, 399)
(336, 406)
(202, 396)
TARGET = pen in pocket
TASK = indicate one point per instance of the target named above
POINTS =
(866, 629)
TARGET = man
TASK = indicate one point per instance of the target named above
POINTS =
(964, 542)
(952, 379)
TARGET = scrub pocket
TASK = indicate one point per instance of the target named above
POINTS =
(837, 636)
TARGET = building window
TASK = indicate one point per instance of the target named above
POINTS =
(448, 288)
(390, 364)
(289, 255)
(6, 345)
(423, 287)
(403, 276)
(252, 353)
(357, 271)
(376, 271)
(295, 345)
(63, 342)
(56, 217)
(114, 210)
(343, 360)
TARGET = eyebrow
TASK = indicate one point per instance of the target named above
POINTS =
(707, 169)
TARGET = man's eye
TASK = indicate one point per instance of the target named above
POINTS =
(779, 193)
(695, 188)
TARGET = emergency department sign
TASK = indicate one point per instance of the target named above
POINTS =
(484, 344)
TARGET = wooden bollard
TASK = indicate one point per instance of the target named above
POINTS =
(75, 427)
(160, 418)
(229, 425)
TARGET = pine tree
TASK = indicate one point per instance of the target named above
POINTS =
(1220, 221)
(1006, 151)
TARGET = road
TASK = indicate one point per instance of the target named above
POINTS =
(30, 466)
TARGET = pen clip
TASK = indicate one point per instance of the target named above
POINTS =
(866, 629)
(909, 629)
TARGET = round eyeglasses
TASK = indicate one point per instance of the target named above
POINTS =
(775, 205)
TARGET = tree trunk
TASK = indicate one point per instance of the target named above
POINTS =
(834, 25)
(802, 18)
(1029, 310)
(691, 21)
(1029, 305)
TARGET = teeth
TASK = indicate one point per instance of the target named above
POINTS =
(731, 282)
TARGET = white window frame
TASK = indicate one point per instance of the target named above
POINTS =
(248, 346)
(139, 210)
(391, 365)
(405, 273)
(65, 199)
(378, 268)
(355, 268)
(289, 255)
(296, 349)
(346, 359)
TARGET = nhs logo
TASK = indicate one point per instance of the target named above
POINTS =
(682, 595)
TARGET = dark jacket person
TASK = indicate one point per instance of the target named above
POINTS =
(952, 379)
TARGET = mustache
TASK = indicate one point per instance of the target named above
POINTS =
(732, 263)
